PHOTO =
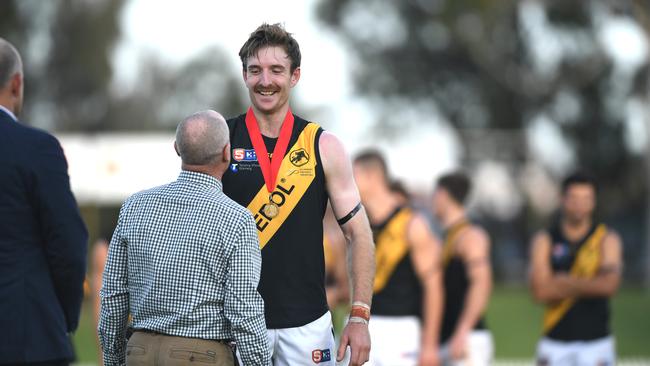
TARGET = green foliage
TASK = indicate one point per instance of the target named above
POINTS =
(67, 47)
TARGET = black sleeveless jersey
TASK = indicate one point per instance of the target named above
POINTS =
(293, 271)
(397, 290)
(456, 285)
(588, 318)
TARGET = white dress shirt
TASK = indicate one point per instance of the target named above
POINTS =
(4, 109)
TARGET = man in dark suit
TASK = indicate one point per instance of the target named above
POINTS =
(43, 240)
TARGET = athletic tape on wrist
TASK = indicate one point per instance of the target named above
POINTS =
(360, 312)
(362, 304)
(356, 319)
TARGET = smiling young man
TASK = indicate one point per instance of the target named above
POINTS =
(285, 169)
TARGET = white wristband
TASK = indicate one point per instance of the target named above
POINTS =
(356, 319)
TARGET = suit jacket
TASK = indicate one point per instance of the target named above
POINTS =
(43, 247)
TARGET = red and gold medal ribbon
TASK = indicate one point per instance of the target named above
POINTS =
(269, 166)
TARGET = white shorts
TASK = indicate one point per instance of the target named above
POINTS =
(309, 345)
(395, 340)
(597, 352)
(480, 350)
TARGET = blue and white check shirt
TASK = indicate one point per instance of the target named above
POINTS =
(184, 261)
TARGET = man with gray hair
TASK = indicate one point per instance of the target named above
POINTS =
(43, 240)
(184, 262)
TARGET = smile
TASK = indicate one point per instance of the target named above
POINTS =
(266, 93)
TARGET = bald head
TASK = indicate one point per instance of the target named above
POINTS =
(201, 138)
(10, 62)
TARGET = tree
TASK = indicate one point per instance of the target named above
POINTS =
(66, 46)
(501, 71)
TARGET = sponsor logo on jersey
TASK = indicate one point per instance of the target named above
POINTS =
(559, 250)
(321, 355)
(244, 155)
(234, 168)
(299, 157)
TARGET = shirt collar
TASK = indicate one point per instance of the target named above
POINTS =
(200, 178)
(4, 109)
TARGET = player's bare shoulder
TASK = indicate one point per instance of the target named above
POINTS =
(540, 241)
(474, 240)
(332, 152)
(612, 238)
(419, 228)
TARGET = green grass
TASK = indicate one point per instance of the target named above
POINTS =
(514, 319)
(85, 338)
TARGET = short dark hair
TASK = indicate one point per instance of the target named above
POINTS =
(397, 186)
(579, 177)
(457, 184)
(270, 35)
(372, 157)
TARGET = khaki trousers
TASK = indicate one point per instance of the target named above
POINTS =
(147, 348)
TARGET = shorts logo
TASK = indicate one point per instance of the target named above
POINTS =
(321, 355)
(244, 155)
(299, 157)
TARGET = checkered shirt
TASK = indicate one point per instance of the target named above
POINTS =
(184, 261)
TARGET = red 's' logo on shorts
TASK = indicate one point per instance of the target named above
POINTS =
(321, 355)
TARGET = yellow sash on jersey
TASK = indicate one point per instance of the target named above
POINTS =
(450, 241)
(392, 245)
(297, 171)
(586, 266)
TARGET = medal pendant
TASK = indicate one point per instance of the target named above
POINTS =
(271, 210)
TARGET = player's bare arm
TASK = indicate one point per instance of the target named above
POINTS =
(608, 279)
(545, 286)
(344, 197)
(474, 249)
(425, 250)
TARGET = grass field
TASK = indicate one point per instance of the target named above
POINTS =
(512, 316)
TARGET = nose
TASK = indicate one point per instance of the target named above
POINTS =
(265, 78)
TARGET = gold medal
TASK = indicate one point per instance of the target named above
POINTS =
(271, 210)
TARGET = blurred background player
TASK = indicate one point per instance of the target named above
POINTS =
(575, 268)
(467, 277)
(407, 299)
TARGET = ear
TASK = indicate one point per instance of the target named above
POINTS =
(16, 85)
(176, 149)
(226, 153)
(295, 76)
(244, 74)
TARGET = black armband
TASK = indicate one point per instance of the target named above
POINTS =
(343, 220)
